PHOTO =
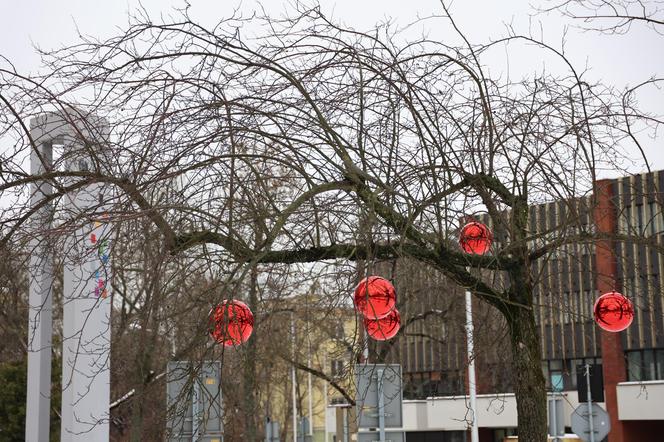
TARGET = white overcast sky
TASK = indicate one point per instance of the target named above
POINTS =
(617, 60)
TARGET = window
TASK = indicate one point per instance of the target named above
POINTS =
(338, 400)
(645, 365)
(560, 374)
(557, 381)
(501, 434)
(574, 363)
(421, 385)
(437, 436)
(649, 370)
(338, 331)
(554, 379)
(337, 367)
(634, 366)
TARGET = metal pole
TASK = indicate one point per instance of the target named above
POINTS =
(311, 400)
(365, 347)
(294, 380)
(325, 393)
(345, 425)
(381, 407)
(590, 405)
(474, 430)
(195, 423)
(554, 416)
(40, 322)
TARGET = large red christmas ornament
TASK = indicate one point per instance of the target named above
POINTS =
(475, 238)
(231, 323)
(384, 328)
(613, 312)
(375, 297)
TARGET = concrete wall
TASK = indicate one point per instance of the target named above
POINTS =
(641, 400)
(637, 401)
(450, 413)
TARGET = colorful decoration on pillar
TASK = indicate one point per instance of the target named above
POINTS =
(375, 297)
(384, 328)
(613, 311)
(475, 238)
(101, 246)
(231, 323)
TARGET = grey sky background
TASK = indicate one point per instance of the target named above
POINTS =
(621, 61)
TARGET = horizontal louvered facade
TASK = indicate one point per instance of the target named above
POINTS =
(432, 351)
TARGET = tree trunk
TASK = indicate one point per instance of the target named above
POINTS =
(250, 409)
(136, 431)
(527, 376)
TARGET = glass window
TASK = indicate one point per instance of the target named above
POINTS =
(573, 364)
(634, 366)
(556, 365)
(557, 382)
(337, 367)
(648, 365)
(339, 332)
(660, 364)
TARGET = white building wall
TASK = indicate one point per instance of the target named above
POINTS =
(415, 415)
(450, 413)
(636, 401)
(641, 400)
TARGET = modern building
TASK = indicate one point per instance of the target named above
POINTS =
(326, 341)
(630, 211)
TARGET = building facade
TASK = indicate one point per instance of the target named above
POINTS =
(627, 213)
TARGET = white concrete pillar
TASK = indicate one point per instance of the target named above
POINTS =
(40, 299)
(86, 295)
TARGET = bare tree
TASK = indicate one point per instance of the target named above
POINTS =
(417, 135)
(612, 17)
(619, 17)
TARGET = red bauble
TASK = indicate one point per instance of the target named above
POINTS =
(384, 328)
(375, 297)
(475, 238)
(231, 323)
(613, 312)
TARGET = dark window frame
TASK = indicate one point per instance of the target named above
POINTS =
(640, 371)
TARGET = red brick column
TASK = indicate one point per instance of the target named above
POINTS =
(613, 357)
